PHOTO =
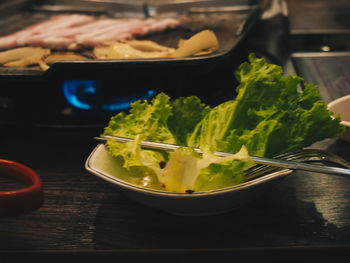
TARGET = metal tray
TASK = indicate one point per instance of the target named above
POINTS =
(229, 22)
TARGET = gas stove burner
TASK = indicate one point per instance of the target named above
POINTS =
(89, 95)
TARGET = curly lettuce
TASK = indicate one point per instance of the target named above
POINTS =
(269, 116)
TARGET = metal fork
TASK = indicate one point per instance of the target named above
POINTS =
(296, 161)
(305, 156)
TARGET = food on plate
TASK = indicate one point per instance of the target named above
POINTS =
(66, 30)
(203, 42)
(63, 36)
(23, 57)
(63, 56)
(269, 116)
(20, 53)
(120, 50)
(147, 45)
(47, 29)
(28, 56)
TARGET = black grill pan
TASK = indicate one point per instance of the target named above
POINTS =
(230, 24)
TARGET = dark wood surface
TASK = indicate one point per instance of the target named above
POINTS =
(82, 215)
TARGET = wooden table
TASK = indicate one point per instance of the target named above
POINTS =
(306, 216)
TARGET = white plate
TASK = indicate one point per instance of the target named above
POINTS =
(103, 165)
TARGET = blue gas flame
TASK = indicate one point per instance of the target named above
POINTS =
(83, 94)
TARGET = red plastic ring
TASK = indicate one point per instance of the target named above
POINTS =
(24, 200)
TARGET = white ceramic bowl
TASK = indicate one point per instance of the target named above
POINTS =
(103, 165)
(341, 106)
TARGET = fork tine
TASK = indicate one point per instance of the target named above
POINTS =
(306, 155)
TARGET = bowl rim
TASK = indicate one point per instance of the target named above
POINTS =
(337, 101)
(22, 200)
(160, 193)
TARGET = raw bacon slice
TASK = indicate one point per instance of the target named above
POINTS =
(127, 30)
(61, 31)
(58, 22)
(66, 36)
(152, 25)
(120, 31)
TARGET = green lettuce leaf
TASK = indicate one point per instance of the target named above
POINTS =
(147, 120)
(160, 121)
(186, 113)
(269, 115)
(185, 165)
